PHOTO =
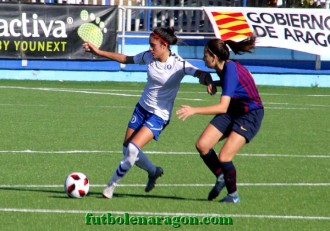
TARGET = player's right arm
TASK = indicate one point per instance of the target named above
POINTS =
(121, 58)
(205, 78)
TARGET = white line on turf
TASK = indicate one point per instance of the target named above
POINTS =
(27, 210)
(138, 90)
(44, 105)
(92, 91)
(27, 151)
(172, 185)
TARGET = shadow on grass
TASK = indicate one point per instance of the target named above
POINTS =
(62, 195)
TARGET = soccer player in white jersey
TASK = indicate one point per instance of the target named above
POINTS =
(153, 111)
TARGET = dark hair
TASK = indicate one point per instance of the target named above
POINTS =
(219, 47)
(165, 35)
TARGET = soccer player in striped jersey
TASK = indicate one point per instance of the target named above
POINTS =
(154, 109)
(238, 115)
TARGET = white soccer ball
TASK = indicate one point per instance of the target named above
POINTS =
(76, 185)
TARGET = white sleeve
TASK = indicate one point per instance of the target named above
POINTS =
(189, 69)
(143, 58)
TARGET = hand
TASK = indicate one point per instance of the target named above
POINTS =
(184, 112)
(212, 89)
(89, 47)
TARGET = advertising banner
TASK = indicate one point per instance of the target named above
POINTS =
(306, 30)
(35, 31)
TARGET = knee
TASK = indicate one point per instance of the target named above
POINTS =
(225, 158)
(132, 152)
(202, 147)
(132, 149)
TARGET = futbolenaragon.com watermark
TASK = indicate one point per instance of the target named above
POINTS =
(174, 221)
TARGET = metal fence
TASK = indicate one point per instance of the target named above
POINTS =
(190, 3)
(143, 15)
(191, 23)
(183, 19)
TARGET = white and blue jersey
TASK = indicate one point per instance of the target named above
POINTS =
(163, 82)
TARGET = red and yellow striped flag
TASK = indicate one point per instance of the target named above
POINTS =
(232, 25)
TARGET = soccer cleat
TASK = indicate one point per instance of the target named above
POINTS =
(230, 199)
(108, 191)
(152, 179)
(218, 186)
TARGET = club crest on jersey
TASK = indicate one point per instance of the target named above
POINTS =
(168, 67)
(133, 119)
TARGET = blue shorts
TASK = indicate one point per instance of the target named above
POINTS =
(246, 125)
(142, 117)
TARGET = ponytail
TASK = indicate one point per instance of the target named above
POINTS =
(220, 48)
(243, 46)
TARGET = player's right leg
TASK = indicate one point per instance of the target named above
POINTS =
(124, 166)
(204, 145)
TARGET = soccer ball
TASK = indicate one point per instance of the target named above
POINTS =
(76, 185)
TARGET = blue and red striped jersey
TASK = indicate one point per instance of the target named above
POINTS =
(238, 83)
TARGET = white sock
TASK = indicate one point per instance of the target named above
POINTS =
(126, 163)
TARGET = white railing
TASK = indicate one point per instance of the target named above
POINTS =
(185, 19)
(125, 24)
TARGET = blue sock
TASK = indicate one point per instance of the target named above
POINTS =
(212, 162)
(145, 163)
(229, 172)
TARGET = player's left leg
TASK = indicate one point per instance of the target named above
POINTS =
(145, 135)
(231, 147)
(143, 161)
(150, 126)
(244, 129)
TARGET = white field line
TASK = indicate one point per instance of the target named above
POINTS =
(45, 105)
(186, 99)
(310, 106)
(175, 185)
(178, 98)
(270, 105)
(137, 90)
(111, 92)
(69, 90)
(319, 95)
(160, 153)
(92, 91)
(140, 213)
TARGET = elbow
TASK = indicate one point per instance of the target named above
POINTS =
(221, 109)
